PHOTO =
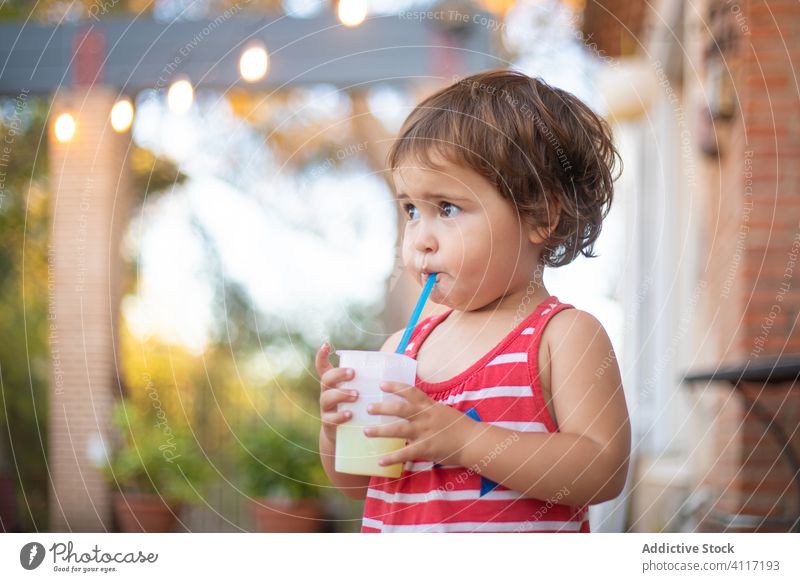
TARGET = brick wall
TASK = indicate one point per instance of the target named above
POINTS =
(751, 239)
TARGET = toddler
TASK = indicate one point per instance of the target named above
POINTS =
(517, 420)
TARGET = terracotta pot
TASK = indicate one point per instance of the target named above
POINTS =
(141, 512)
(284, 515)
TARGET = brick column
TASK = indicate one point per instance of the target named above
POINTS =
(750, 209)
(89, 206)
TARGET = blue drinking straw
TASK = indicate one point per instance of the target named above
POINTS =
(417, 310)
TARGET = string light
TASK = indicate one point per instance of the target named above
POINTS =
(64, 127)
(352, 12)
(180, 96)
(253, 63)
(122, 115)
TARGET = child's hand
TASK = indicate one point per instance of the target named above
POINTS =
(330, 396)
(433, 431)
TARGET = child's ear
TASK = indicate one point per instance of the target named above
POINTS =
(539, 233)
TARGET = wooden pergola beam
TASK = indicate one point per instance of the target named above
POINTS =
(141, 54)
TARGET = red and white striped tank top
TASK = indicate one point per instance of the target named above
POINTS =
(503, 389)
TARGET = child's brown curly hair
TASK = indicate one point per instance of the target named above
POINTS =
(542, 148)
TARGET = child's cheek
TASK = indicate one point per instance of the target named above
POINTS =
(406, 256)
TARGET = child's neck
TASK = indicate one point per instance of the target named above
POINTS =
(514, 305)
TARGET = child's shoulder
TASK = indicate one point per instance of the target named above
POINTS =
(571, 328)
(575, 345)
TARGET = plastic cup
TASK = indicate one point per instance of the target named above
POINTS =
(356, 453)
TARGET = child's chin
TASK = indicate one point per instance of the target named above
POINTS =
(438, 297)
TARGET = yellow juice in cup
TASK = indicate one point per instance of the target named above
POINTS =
(356, 453)
(363, 452)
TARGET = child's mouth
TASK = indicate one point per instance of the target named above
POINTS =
(424, 277)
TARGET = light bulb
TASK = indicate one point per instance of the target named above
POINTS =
(180, 96)
(352, 12)
(64, 127)
(253, 63)
(122, 115)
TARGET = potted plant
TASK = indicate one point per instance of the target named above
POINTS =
(157, 467)
(283, 476)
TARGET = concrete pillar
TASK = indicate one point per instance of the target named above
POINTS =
(89, 210)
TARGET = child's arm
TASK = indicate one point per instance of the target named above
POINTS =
(354, 486)
(589, 456)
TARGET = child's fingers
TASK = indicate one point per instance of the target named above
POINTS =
(392, 408)
(321, 360)
(336, 418)
(335, 376)
(397, 429)
(329, 399)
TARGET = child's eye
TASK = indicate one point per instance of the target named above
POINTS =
(449, 209)
(409, 210)
(449, 205)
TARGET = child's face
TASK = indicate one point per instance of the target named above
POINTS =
(460, 226)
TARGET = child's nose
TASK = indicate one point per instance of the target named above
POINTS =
(425, 240)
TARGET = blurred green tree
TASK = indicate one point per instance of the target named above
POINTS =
(24, 362)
